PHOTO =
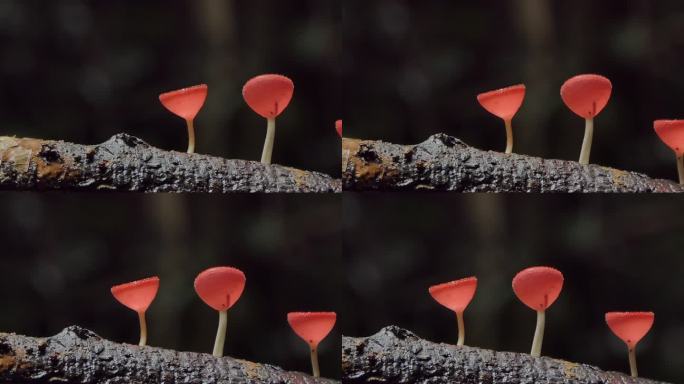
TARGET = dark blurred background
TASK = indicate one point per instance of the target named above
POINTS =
(618, 253)
(84, 70)
(62, 253)
(414, 68)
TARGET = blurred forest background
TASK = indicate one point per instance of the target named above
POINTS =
(413, 69)
(62, 253)
(82, 71)
(621, 253)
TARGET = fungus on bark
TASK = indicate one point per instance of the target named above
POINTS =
(186, 103)
(268, 95)
(538, 288)
(220, 288)
(456, 295)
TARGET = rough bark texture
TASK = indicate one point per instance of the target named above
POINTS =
(395, 355)
(77, 355)
(445, 163)
(126, 163)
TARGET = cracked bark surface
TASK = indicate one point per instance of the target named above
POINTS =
(77, 355)
(445, 163)
(395, 355)
(127, 163)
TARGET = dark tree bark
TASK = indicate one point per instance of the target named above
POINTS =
(77, 355)
(126, 163)
(397, 356)
(445, 163)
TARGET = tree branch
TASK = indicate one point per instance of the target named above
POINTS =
(397, 356)
(126, 163)
(77, 355)
(445, 163)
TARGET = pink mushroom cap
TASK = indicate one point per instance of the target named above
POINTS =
(503, 103)
(137, 295)
(268, 95)
(631, 327)
(220, 287)
(455, 295)
(338, 127)
(538, 287)
(586, 95)
(671, 132)
(185, 102)
(312, 327)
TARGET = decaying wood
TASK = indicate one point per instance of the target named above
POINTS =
(77, 355)
(397, 356)
(126, 163)
(445, 163)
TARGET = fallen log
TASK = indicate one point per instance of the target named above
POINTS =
(397, 356)
(77, 355)
(445, 163)
(127, 163)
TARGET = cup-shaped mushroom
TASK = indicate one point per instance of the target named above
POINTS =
(455, 295)
(220, 287)
(338, 127)
(268, 95)
(137, 295)
(312, 327)
(538, 287)
(630, 327)
(671, 132)
(586, 95)
(504, 103)
(185, 102)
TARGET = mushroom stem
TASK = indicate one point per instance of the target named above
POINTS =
(143, 329)
(509, 136)
(268, 144)
(680, 169)
(632, 362)
(586, 143)
(461, 328)
(191, 135)
(538, 334)
(221, 333)
(314, 362)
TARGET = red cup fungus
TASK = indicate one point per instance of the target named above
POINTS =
(504, 103)
(268, 95)
(338, 127)
(220, 288)
(671, 132)
(586, 96)
(312, 327)
(630, 327)
(138, 295)
(186, 103)
(538, 288)
(456, 295)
